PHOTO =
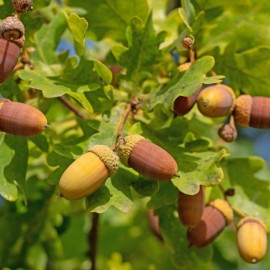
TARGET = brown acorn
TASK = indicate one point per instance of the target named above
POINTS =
(88, 173)
(22, 5)
(21, 119)
(11, 41)
(252, 111)
(147, 158)
(182, 105)
(251, 239)
(190, 208)
(216, 101)
(215, 217)
(228, 132)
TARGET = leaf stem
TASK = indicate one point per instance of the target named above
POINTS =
(93, 240)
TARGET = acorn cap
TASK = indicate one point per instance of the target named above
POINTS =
(242, 110)
(11, 28)
(224, 207)
(126, 148)
(251, 219)
(108, 157)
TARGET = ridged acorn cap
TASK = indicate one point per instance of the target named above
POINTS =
(251, 219)
(11, 28)
(126, 148)
(224, 207)
(108, 157)
(242, 110)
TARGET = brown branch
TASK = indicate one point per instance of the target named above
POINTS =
(93, 241)
(72, 107)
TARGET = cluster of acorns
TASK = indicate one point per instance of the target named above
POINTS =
(205, 223)
(89, 172)
(16, 118)
(219, 101)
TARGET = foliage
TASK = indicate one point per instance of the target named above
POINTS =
(144, 38)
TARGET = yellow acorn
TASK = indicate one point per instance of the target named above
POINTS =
(190, 208)
(216, 101)
(216, 215)
(87, 173)
(251, 239)
(147, 158)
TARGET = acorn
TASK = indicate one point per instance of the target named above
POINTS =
(216, 101)
(216, 215)
(190, 207)
(252, 111)
(21, 119)
(251, 239)
(22, 5)
(182, 105)
(228, 132)
(147, 158)
(11, 40)
(87, 173)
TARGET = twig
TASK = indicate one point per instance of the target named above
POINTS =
(131, 107)
(93, 240)
(72, 107)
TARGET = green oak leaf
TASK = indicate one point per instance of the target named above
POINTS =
(187, 13)
(252, 69)
(143, 47)
(78, 27)
(199, 168)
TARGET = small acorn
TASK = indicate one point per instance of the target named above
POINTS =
(87, 173)
(190, 207)
(21, 119)
(228, 132)
(182, 105)
(216, 215)
(147, 158)
(252, 111)
(22, 5)
(11, 40)
(216, 101)
(251, 239)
